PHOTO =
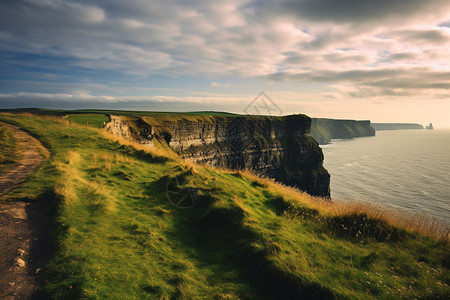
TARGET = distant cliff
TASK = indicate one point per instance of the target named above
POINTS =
(396, 126)
(323, 130)
(276, 147)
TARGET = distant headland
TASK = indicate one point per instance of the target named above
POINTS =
(324, 130)
(396, 126)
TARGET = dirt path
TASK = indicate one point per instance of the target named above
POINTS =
(17, 221)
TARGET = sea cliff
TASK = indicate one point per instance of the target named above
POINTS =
(276, 147)
(396, 126)
(323, 130)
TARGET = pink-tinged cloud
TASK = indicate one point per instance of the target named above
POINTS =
(367, 50)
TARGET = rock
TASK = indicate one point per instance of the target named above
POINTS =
(275, 147)
(120, 126)
(20, 262)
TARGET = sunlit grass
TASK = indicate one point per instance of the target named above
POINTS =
(8, 148)
(118, 236)
(92, 120)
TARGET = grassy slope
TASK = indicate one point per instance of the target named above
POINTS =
(92, 120)
(60, 112)
(118, 236)
(8, 148)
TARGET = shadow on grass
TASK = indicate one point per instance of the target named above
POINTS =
(222, 241)
(282, 207)
(140, 154)
(46, 231)
(360, 227)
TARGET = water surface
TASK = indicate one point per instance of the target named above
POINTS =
(404, 169)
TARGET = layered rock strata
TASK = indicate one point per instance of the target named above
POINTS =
(276, 147)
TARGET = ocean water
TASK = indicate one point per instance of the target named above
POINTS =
(406, 170)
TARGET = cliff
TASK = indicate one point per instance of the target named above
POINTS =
(396, 126)
(323, 130)
(275, 147)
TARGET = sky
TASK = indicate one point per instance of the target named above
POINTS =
(383, 60)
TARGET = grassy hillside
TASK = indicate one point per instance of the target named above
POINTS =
(93, 120)
(62, 112)
(8, 148)
(125, 227)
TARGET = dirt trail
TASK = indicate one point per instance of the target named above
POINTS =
(17, 220)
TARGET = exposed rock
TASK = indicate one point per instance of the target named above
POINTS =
(137, 130)
(276, 147)
(20, 262)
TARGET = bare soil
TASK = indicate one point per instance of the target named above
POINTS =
(20, 223)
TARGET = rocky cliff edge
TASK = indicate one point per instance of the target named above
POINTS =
(276, 147)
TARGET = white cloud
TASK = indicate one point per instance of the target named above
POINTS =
(219, 85)
(374, 47)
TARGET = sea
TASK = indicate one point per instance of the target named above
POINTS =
(406, 170)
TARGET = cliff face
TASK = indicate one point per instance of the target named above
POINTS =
(323, 130)
(134, 130)
(396, 126)
(276, 147)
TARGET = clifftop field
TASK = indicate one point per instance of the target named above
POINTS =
(123, 226)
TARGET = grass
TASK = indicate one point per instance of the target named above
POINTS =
(8, 148)
(92, 120)
(117, 234)
(60, 112)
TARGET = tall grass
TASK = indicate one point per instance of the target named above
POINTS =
(8, 148)
(413, 222)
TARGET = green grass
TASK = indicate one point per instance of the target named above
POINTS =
(71, 113)
(117, 236)
(92, 120)
(157, 113)
(60, 112)
(8, 148)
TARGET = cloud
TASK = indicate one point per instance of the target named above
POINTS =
(361, 11)
(369, 83)
(152, 103)
(219, 85)
(402, 56)
(375, 47)
(435, 36)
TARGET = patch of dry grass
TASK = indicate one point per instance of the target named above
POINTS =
(73, 181)
(413, 222)
(157, 150)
